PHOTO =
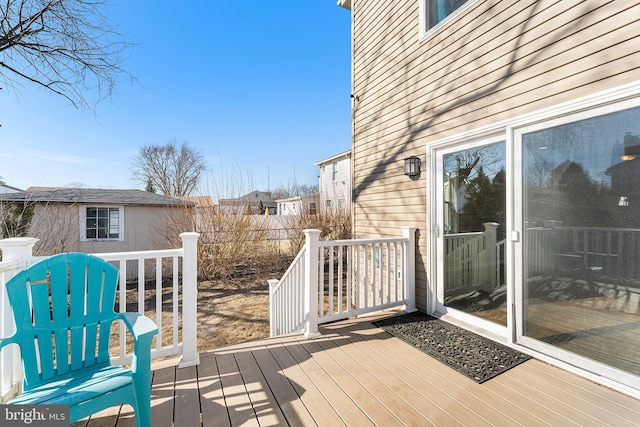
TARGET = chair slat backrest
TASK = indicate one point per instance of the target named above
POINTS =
(63, 307)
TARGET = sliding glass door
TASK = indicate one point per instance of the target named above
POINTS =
(471, 216)
(535, 236)
(580, 254)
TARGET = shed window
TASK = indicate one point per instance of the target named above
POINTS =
(102, 223)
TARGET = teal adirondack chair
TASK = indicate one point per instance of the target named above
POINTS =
(63, 308)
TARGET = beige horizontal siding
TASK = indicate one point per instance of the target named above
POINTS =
(487, 76)
(497, 60)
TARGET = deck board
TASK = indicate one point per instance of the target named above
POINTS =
(264, 403)
(440, 406)
(162, 393)
(284, 392)
(187, 400)
(363, 398)
(309, 396)
(237, 400)
(597, 400)
(428, 391)
(340, 401)
(357, 374)
(212, 401)
(381, 387)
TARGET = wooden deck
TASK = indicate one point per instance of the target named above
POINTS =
(357, 375)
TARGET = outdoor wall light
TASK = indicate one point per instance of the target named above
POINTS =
(412, 167)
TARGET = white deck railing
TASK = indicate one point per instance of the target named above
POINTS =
(336, 279)
(471, 260)
(172, 274)
(177, 333)
(286, 298)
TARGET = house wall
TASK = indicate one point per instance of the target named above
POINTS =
(289, 207)
(58, 228)
(338, 188)
(494, 61)
(298, 206)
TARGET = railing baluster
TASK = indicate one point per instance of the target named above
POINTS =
(340, 280)
(388, 270)
(366, 276)
(123, 307)
(358, 283)
(349, 277)
(141, 280)
(159, 302)
(175, 302)
(378, 275)
(331, 279)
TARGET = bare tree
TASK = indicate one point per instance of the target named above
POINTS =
(294, 190)
(65, 46)
(173, 169)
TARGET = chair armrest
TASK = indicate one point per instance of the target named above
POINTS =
(7, 341)
(139, 325)
(143, 330)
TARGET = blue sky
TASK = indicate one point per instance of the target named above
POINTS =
(260, 88)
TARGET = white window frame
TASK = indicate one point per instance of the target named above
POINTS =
(83, 224)
(424, 32)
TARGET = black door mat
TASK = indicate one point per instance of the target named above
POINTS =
(476, 357)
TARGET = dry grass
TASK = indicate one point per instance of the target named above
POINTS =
(233, 310)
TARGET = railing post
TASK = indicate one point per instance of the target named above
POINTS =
(18, 249)
(491, 232)
(273, 283)
(190, 355)
(311, 286)
(409, 233)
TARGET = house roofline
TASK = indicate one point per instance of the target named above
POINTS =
(344, 3)
(345, 154)
(101, 197)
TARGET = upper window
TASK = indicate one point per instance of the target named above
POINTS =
(334, 176)
(102, 223)
(436, 11)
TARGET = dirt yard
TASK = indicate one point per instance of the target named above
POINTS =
(233, 310)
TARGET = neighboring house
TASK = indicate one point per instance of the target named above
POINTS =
(99, 220)
(249, 201)
(334, 182)
(300, 205)
(503, 95)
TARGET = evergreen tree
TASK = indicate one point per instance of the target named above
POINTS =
(150, 188)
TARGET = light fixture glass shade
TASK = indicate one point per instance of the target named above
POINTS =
(412, 166)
